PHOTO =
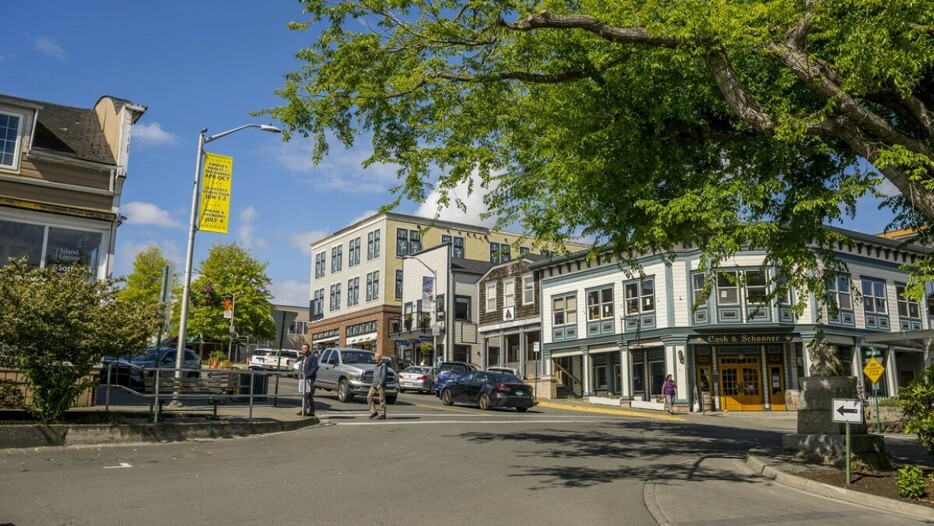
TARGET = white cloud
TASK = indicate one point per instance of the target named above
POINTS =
(341, 169)
(887, 188)
(48, 47)
(362, 216)
(152, 134)
(473, 203)
(303, 240)
(248, 229)
(128, 250)
(291, 292)
(139, 213)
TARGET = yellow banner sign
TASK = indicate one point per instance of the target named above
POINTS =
(873, 370)
(215, 193)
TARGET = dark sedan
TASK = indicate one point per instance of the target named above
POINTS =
(488, 390)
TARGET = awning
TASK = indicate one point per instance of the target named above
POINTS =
(325, 340)
(369, 337)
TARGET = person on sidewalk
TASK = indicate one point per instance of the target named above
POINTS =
(380, 374)
(668, 389)
(310, 375)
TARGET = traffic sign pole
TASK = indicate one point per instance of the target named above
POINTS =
(848, 463)
(875, 394)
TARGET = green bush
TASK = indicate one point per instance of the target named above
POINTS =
(911, 482)
(917, 400)
(890, 402)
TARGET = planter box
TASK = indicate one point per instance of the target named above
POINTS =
(18, 379)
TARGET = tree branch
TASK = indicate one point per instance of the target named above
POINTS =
(737, 96)
(625, 35)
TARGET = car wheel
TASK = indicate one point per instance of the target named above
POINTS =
(522, 409)
(390, 400)
(343, 391)
(401, 390)
(446, 397)
(484, 401)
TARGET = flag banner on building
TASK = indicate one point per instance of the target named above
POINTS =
(215, 193)
(428, 292)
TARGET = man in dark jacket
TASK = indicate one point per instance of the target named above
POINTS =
(309, 375)
(380, 375)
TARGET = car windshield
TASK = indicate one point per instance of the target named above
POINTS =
(150, 355)
(358, 357)
(416, 369)
(504, 378)
(453, 368)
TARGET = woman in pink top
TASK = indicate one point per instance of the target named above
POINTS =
(668, 389)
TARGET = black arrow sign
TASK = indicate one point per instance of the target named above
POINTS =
(844, 411)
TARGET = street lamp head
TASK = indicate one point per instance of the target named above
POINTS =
(269, 128)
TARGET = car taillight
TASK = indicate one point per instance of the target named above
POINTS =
(422, 377)
(503, 387)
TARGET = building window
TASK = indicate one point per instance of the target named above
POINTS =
(494, 252)
(699, 307)
(523, 251)
(909, 311)
(335, 298)
(640, 296)
(462, 308)
(337, 258)
(372, 245)
(319, 264)
(402, 242)
(298, 327)
(353, 252)
(727, 288)
(874, 304)
(440, 307)
(840, 299)
(564, 316)
(353, 291)
(10, 126)
(317, 309)
(756, 295)
(398, 284)
(457, 243)
(528, 290)
(415, 242)
(490, 297)
(600, 319)
(509, 293)
(372, 286)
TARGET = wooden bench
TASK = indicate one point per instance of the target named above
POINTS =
(215, 387)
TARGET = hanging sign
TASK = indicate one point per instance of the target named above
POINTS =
(215, 193)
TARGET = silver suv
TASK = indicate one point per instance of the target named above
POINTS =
(350, 372)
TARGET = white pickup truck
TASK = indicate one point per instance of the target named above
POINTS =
(271, 359)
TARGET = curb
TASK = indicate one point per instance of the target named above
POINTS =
(610, 411)
(40, 435)
(825, 490)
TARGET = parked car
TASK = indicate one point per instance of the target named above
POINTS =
(416, 378)
(272, 359)
(350, 372)
(448, 371)
(488, 390)
(506, 370)
(132, 370)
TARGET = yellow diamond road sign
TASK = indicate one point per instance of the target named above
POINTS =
(873, 370)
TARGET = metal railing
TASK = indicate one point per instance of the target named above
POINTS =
(158, 385)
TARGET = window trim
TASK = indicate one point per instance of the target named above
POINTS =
(507, 284)
(17, 145)
(528, 287)
(490, 297)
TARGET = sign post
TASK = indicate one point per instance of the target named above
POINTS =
(873, 371)
(847, 411)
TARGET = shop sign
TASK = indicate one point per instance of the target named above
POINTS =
(730, 339)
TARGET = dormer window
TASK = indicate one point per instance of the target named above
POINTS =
(10, 131)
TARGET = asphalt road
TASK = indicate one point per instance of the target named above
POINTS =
(426, 464)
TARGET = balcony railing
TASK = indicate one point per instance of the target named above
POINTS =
(416, 321)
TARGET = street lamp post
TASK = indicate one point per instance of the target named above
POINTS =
(192, 228)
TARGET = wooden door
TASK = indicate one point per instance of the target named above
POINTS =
(740, 384)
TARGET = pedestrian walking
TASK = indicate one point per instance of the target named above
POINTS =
(380, 374)
(668, 389)
(310, 375)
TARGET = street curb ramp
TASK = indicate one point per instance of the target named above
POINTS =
(44, 435)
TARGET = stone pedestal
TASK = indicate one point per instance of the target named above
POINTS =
(818, 436)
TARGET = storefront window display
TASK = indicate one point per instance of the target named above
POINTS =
(63, 246)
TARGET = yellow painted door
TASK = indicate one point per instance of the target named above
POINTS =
(776, 388)
(740, 384)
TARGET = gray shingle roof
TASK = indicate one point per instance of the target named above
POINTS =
(68, 131)
(472, 266)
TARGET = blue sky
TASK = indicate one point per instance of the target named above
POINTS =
(207, 63)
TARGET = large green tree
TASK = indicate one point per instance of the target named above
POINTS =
(144, 284)
(228, 270)
(56, 323)
(642, 123)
